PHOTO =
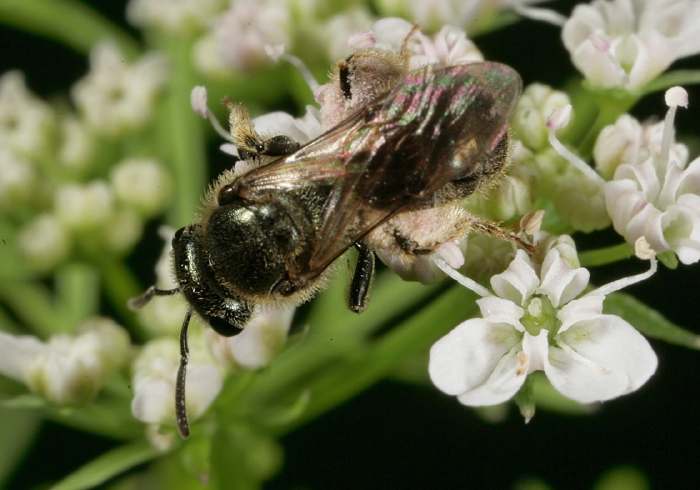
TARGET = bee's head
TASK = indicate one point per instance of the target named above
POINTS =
(226, 313)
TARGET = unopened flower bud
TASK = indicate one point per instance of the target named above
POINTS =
(45, 242)
(535, 106)
(154, 375)
(86, 206)
(142, 184)
(71, 369)
(257, 344)
(18, 178)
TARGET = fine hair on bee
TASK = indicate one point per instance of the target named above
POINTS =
(401, 150)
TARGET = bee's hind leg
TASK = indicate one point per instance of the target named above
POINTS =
(362, 278)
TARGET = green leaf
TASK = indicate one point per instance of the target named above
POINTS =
(649, 321)
(18, 429)
(108, 465)
(67, 21)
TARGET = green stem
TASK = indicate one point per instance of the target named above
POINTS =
(108, 465)
(607, 255)
(673, 78)
(333, 335)
(610, 108)
(67, 21)
(33, 306)
(120, 285)
(366, 367)
(181, 130)
(77, 294)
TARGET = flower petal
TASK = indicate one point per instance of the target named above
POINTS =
(471, 354)
(560, 282)
(518, 282)
(499, 310)
(600, 359)
(585, 308)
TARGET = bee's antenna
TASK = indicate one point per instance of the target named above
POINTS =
(180, 409)
(140, 301)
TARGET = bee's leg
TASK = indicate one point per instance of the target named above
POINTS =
(362, 279)
(183, 425)
(140, 301)
(411, 246)
(493, 228)
(250, 144)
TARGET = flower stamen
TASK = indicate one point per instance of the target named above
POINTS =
(675, 96)
(461, 279)
(557, 120)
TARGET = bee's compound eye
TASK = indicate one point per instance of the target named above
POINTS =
(281, 145)
(177, 236)
(227, 195)
(222, 327)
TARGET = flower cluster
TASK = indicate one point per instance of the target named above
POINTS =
(84, 177)
(537, 319)
(630, 42)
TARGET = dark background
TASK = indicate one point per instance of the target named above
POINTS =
(403, 436)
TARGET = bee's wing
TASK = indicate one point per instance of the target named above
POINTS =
(432, 128)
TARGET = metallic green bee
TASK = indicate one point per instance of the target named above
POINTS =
(428, 139)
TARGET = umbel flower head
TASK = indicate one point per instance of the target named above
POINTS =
(67, 369)
(535, 319)
(658, 197)
(630, 42)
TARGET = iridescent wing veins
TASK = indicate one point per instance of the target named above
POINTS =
(433, 127)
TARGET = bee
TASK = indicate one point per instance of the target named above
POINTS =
(406, 143)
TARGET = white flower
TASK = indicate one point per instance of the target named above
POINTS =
(177, 16)
(241, 33)
(121, 231)
(534, 107)
(486, 256)
(76, 144)
(630, 142)
(154, 377)
(84, 206)
(116, 96)
(253, 348)
(67, 369)
(300, 129)
(341, 27)
(578, 190)
(448, 47)
(44, 242)
(165, 315)
(26, 122)
(511, 197)
(580, 201)
(18, 179)
(533, 322)
(640, 37)
(142, 184)
(434, 14)
(659, 199)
